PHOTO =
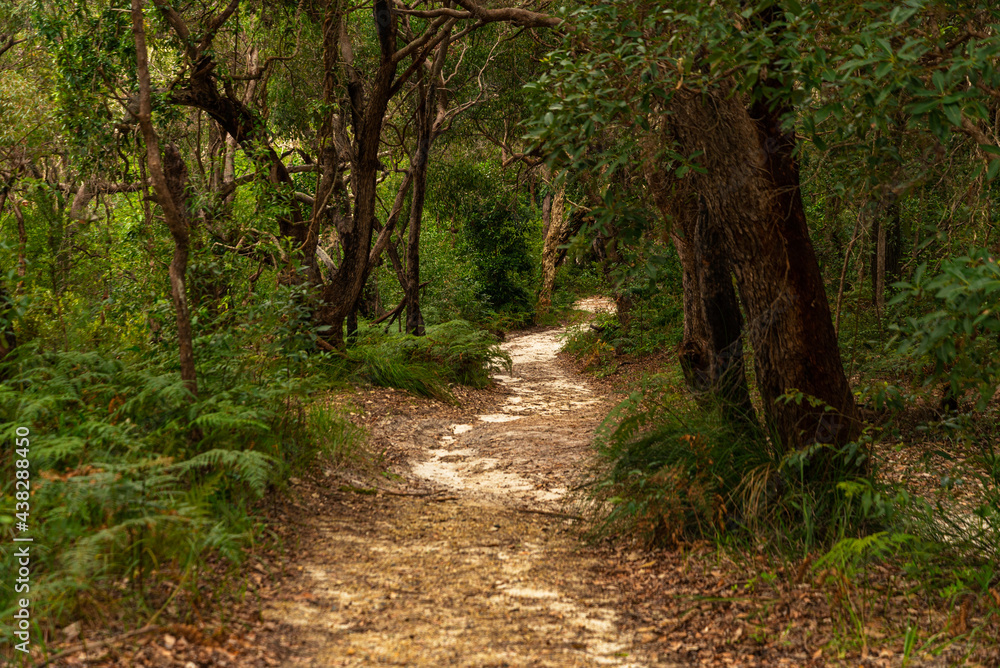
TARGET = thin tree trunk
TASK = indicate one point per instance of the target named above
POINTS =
(8, 341)
(878, 267)
(173, 212)
(22, 247)
(425, 104)
(554, 237)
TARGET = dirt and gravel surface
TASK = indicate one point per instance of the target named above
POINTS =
(474, 561)
(461, 547)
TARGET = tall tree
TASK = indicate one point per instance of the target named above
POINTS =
(731, 161)
(168, 175)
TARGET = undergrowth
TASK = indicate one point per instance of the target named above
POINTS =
(135, 482)
(672, 471)
(454, 352)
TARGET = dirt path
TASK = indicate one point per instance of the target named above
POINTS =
(475, 567)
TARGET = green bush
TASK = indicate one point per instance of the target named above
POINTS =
(485, 241)
(671, 469)
(133, 478)
(961, 334)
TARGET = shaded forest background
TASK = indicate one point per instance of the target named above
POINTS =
(212, 214)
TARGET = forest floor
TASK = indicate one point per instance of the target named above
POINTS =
(467, 551)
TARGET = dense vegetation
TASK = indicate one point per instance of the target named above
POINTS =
(211, 216)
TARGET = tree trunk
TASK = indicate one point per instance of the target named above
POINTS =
(711, 352)
(340, 294)
(752, 188)
(418, 165)
(886, 254)
(834, 239)
(168, 177)
(8, 341)
(554, 237)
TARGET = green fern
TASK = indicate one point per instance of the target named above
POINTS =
(253, 468)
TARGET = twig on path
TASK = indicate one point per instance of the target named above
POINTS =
(372, 491)
(550, 513)
(149, 628)
(392, 493)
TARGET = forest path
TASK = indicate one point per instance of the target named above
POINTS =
(472, 565)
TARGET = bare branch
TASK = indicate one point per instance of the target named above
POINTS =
(213, 26)
(431, 34)
(433, 13)
(516, 15)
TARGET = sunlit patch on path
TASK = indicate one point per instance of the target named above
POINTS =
(482, 565)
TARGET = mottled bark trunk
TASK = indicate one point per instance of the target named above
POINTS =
(340, 294)
(711, 352)
(751, 187)
(795, 344)
(554, 237)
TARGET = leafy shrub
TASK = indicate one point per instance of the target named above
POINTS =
(672, 469)
(498, 236)
(961, 335)
(493, 239)
(464, 354)
(590, 347)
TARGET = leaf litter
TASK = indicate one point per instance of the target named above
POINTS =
(468, 555)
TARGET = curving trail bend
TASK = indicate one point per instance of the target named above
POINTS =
(473, 565)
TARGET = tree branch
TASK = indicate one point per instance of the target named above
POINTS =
(516, 15)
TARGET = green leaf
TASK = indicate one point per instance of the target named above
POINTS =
(954, 114)
(993, 169)
(938, 79)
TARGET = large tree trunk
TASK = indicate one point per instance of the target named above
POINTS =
(752, 188)
(341, 294)
(711, 352)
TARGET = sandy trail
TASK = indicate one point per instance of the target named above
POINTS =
(479, 569)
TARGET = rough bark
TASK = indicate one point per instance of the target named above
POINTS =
(752, 186)
(711, 351)
(340, 294)
(554, 237)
